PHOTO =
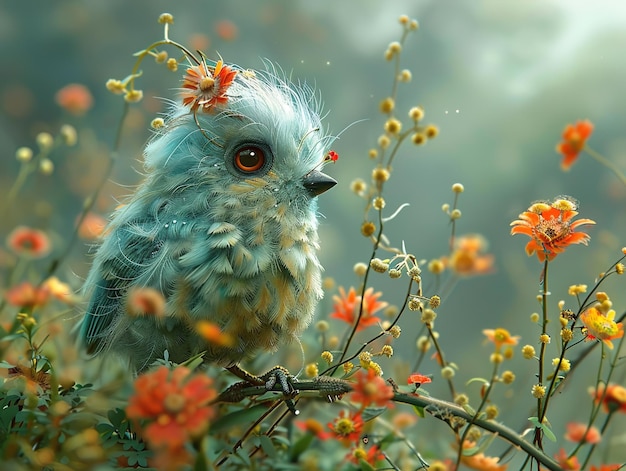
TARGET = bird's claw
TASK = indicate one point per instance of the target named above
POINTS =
(276, 376)
(280, 375)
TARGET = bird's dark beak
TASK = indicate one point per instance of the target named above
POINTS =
(317, 182)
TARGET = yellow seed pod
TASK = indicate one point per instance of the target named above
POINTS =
(160, 57)
(418, 138)
(416, 113)
(431, 131)
(380, 175)
(157, 123)
(384, 141)
(172, 64)
(115, 86)
(393, 126)
(166, 18)
(24, 154)
(45, 141)
(133, 96)
(68, 135)
(387, 105)
(368, 228)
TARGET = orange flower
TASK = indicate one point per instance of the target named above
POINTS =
(59, 290)
(372, 456)
(480, 461)
(347, 428)
(613, 397)
(212, 333)
(29, 242)
(550, 227)
(468, 256)
(418, 379)
(75, 98)
(145, 302)
(314, 427)
(205, 87)
(347, 307)
(574, 138)
(370, 388)
(566, 462)
(27, 295)
(606, 467)
(175, 403)
(579, 433)
(501, 337)
(226, 30)
(601, 327)
(92, 226)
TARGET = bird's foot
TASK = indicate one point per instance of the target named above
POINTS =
(276, 376)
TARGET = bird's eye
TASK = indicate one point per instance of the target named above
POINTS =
(249, 159)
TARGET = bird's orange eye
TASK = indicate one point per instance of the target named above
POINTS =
(249, 159)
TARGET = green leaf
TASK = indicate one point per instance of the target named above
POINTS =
(372, 412)
(365, 466)
(545, 428)
(267, 446)
(300, 446)
(419, 411)
(477, 380)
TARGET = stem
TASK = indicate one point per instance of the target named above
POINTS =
(607, 163)
(476, 413)
(544, 325)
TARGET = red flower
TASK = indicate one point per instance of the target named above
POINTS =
(574, 138)
(176, 405)
(613, 397)
(566, 462)
(205, 87)
(27, 295)
(418, 379)
(579, 433)
(370, 388)
(331, 156)
(480, 461)
(29, 242)
(372, 456)
(606, 467)
(347, 428)
(314, 427)
(75, 98)
(347, 307)
(550, 227)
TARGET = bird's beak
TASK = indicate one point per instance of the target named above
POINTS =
(317, 182)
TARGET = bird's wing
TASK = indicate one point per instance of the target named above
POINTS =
(127, 258)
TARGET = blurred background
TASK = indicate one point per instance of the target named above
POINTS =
(500, 79)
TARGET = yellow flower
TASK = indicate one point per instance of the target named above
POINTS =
(601, 327)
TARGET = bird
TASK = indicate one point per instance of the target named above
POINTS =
(223, 227)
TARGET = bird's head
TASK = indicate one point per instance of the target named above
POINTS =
(255, 132)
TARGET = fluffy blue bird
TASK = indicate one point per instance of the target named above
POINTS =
(224, 225)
